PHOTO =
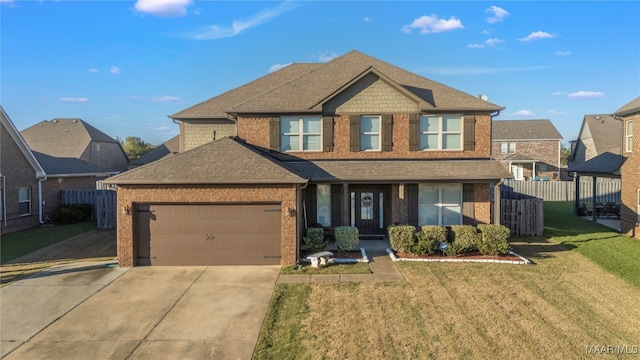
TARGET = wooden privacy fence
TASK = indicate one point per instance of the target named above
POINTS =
(607, 190)
(104, 204)
(524, 217)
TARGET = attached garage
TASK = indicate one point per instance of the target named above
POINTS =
(204, 234)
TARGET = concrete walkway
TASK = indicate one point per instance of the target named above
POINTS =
(382, 268)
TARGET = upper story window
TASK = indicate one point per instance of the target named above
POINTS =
(301, 133)
(507, 148)
(24, 201)
(369, 133)
(441, 132)
(629, 136)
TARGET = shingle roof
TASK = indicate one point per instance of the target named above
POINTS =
(305, 87)
(399, 170)
(69, 166)
(225, 161)
(170, 147)
(604, 164)
(630, 108)
(519, 158)
(10, 129)
(63, 137)
(606, 132)
(524, 130)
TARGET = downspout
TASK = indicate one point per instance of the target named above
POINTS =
(41, 178)
(4, 200)
(298, 218)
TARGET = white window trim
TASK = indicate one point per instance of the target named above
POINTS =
(440, 133)
(301, 134)
(319, 204)
(628, 135)
(379, 133)
(638, 206)
(508, 147)
(440, 205)
(28, 201)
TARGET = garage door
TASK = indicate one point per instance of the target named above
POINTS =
(208, 234)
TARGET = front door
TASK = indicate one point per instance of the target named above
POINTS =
(368, 204)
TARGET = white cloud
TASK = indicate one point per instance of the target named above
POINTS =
(476, 46)
(497, 14)
(581, 95)
(326, 56)
(490, 43)
(164, 8)
(524, 113)
(74, 99)
(164, 99)
(432, 24)
(93, 70)
(114, 70)
(558, 93)
(478, 70)
(537, 35)
(277, 67)
(214, 32)
(367, 19)
(135, 97)
(563, 53)
(557, 113)
(486, 32)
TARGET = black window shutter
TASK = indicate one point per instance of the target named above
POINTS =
(414, 132)
(327, 133)
(336, 205)
(354, 130)
(387, 132)
(469, 132)
(274, 133)
(412, 204)
(468, 212)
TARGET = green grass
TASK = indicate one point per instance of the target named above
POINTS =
(615, 253)
(20, 243)
(345, 268)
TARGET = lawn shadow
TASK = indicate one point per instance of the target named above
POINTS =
(538, 248)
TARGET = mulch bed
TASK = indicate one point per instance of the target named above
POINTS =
(472, 255)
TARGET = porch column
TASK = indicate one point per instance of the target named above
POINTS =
(533, 176)
(346, 205)
(593, 200)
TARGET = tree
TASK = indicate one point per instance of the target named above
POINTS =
(565, 152)
(134, 147)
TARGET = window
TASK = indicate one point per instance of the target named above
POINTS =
(440, 204)
(24, 201)
(369, 133)
(629, 136)
(301, 133)
(441, 132)
(323, 203)
(507, 148)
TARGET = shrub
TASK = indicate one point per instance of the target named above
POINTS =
(72, 214)
(315, 239)
(455, 248)
(346, 237)
(493, 240)
(402, 237)
(466, 236)
(423, 245)
(438, 233)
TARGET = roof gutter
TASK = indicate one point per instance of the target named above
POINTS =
(4, 199)
(41, 179)
(85, 174)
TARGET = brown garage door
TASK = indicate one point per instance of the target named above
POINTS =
(208, 234)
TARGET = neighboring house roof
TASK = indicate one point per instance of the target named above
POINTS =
(225, 161)
(55, 166)
(524, 130)
(170, 147)
(63, 137)
(604, 164)
(306, 87)
(604, 130)
(22, 145)
(519, 158)
(630, 108)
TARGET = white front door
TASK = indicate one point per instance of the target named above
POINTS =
(517, 171)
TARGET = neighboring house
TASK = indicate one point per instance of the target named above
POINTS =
(32, 181)
(530, 149)
(169, 148)
(351, 142)
(599, 134)
(630, 170)
(76, 139)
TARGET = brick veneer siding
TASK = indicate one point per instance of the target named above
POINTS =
(631, 182)
(546, 151)
(18, 173)
(129, 195)
(199, 132)
(255, 130)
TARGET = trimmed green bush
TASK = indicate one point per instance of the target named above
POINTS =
(402, 237)
(455, 248)
(466, 236)
(72, 214)
(346, 238)
(438, 233)
(423, 245)
(315, 240)
(493, 239)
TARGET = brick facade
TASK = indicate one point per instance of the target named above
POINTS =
(630, 172)
(130, 195)
(547, 152)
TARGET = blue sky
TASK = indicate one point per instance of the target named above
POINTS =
(123, 66)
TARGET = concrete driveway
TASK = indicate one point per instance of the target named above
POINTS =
(99, 311)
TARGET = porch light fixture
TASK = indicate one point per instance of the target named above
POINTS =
(126, 210)
(290, 212)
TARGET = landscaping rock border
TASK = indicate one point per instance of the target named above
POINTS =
(364, 259)
(524, 261)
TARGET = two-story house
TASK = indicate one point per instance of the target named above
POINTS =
(599, 134)
(354, 141)
(530, 149)
(629, 115)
